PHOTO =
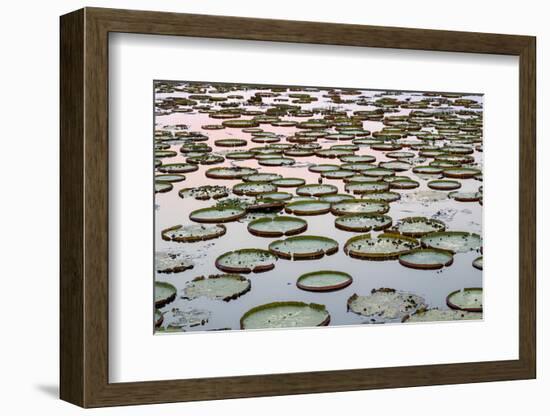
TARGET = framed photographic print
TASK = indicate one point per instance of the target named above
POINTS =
(255, 207)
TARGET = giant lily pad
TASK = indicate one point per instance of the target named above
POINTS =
(383, 247)
(164, 293)
(288, 182)
(230, 142)
(359, 206)
(433, 315)
(277, 226)
(253, 188)
(361, 188)
(221, 286)
(172, 262)
(468, 299)
(217, 214)
(229, 172)
(444, 185)
(419, 226)
(193, 232)
(246, 260)
(316, 190)
(363, 222)
(385, 305)
(161, 187)
(304, 247)
(308, 207)
(204, 192)
(178, 168)
(453, 241)
(285, 315)
(324, 281)
(461, 173)
(426, 259)
(261, 177)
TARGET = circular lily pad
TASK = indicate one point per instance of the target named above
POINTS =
(360, 188)
(444, 185)
(229, 172)
(359, 206)
(277, 161)
(253, 188)
(453, 241)
(164, 294)
(324, 281)
(285, 315)
(323, 168)
(172, 262)
(246, 260)
(203, 159)
(204, 192)
(468, 299)
(308, 207)
(426, 259)
(218, 287)
(461, 173)
(419, 226)
(433, 315)
(178, 168)
(261, 177)
(338, 174)
(385, 196)
(288, 182)
(162, 187)
(304, 247)
(363, 222)
(230, 142)
(217, 214)
(465, 196)
(277, 226)
(383, 247)
(277, 196)
(336, 198)
(240, 123)
(383, 305)
(316, 190)
(478, 263)
(169, 178)
(193, 232)
(428, 170)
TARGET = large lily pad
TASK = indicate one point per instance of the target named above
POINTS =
(285, 315)
(308, 207)
(288, 182)
(324, 281)
(433, 315)
(316, 190)
(426, 259)
(217, 214)
(164, 293)
(193, 232)
(453, 241)
(229, 172)
(359, 206)
(246, 260)
(204, 192)
(172, 262)
(304, 247)
(468, 299)
(444, 185)
(178, 168)
(419, 226)
(253, 188)
(385, 305)
(363, 222)
(218, 287)
(383, 247)
(277, 226)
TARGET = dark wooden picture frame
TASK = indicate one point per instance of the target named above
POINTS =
(84, 207)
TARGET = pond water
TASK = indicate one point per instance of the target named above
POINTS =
(279, 284)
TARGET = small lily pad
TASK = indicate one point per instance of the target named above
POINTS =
(178, 168)
(229, 172)
(468, 299)
(204, 192)
(162, 187)
(444, 185)
(253, 188)
(230, 142)
(288, 182)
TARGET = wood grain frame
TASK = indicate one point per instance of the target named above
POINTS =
(84, 207)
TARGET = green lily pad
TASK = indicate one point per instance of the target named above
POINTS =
(461, 173)
(426, 259)
(277, 226)
(324, 281)
(444, 185)
(384, 247)
(217, 214)
(277, 161)
(359, 206)
(308, 207)
(304, 247)
(240, 123)
(465, 196)
(162, 187)
(360, 188)
(218, 287)
(385, 305)
(172, 262)
(468, 299)
(419, 226)
(253, 188)
(428, 170)
(164, 294)
(285, 315)
(229, 172)
(336, 198)
(178, 168)
(323, 168)
(385, 196)
(453, 241)
(288, 182)
(316, 190)
(169, 178)
(338, 174)
(261, 177)
(277, 196)
(230, 142)
(204, 192)
(246, 260)
(363, 222)
(193, 232)
(441, 315)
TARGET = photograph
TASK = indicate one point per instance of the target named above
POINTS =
(285, 206)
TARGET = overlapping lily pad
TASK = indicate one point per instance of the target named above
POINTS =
(359, 206)
(285, 315)
(308, 207)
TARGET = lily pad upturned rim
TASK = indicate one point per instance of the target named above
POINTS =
(424, 266)
(255, 269)
(449, 233)
(233, 276)
(239, 214)
(432, 221)
(221, 230)
(294, 207)
(313, 254)
(166, 300)
(339, 222)
(437, 185)
(303, 190)
(336, 210)
(270, 305)
(237, 172)
(381, 255)
(294, 231)
(451, 305)
(329, 288)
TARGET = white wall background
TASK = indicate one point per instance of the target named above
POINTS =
(29, 162)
